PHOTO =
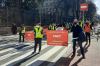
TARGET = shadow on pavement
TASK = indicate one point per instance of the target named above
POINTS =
(76, 63)
(21, 46)
(86, 46)
(64, 61)
(23, 60)
(41, 63)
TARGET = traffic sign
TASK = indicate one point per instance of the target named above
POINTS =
(84, 7)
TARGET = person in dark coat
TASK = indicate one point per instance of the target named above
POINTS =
(76, 30)
(14, 29)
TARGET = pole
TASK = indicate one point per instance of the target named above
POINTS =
(83, 19)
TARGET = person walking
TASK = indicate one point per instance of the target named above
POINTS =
(87, 30)
(38, 30)
(21, 33)
(76, 30)
(14, 29)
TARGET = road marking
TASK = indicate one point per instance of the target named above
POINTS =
(6, 50)
(21, 57)
(60, 55)
(44, 56)
(9, 49)
(8, 55)
(5, 45)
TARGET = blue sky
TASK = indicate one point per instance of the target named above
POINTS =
(97, 2)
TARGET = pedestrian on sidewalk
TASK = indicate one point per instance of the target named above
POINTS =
(76, 29)
(21, 33)
(38, 30)
(87, 30)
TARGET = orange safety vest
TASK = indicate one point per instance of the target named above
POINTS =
(87, 28)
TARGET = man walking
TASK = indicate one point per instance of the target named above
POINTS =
(38, 30)
(21, 33)
(14, 29)
(76, 29)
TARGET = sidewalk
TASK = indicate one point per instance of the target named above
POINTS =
(92, 54)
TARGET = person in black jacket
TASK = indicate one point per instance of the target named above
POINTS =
(76, 29)
(14, 29)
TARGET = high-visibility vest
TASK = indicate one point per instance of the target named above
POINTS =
(52, 27)
(38, 32)
(23, 29)
(81, 23)
(87, 28)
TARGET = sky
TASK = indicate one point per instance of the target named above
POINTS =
(97, 2)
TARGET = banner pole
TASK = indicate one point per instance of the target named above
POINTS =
(83, 19)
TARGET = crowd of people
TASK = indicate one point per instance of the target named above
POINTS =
(81, 32)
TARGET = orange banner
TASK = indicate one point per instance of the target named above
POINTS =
(57, 38)
(29, 36)
(45, 30)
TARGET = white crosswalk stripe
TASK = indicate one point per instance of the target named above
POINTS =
(60, 55)
(44, 57)
(20, 55)
(8, 55)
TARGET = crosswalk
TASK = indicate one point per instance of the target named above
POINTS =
(20, 54)
(13, 53)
